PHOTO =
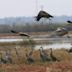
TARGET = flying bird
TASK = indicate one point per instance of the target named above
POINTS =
(61, 31)
(43, 14)
(20, 33)
(69, 21)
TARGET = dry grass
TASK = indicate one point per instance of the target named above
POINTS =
(19, 63)
(53, 67)
(61, 54)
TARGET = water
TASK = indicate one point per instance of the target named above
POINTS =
(53, 40)
(10, 40)
(55, 46)
(57, 43)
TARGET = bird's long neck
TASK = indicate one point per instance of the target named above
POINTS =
(1, 55)
(42, 49)
(31, 52)
(41, 52)
(51, 52)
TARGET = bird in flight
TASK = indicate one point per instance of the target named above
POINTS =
(43, 14)
(69, 21)
(20, 33)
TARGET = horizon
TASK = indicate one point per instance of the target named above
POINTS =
(31, 16)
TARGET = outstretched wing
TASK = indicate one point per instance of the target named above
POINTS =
(24, 34)
(13, 31)
(43, 14)
(20, 33)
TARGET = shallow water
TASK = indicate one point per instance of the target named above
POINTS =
(55, 46)
(10, 40)
(56, 43)
(55, 40)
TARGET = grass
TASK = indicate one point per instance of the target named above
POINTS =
(19, 63)
(61, 54)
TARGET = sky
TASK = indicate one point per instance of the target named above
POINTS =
(16, 8)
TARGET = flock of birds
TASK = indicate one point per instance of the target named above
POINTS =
(43, 55)
(29, 58)
(61, 31)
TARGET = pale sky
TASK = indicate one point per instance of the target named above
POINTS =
(27, 8)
